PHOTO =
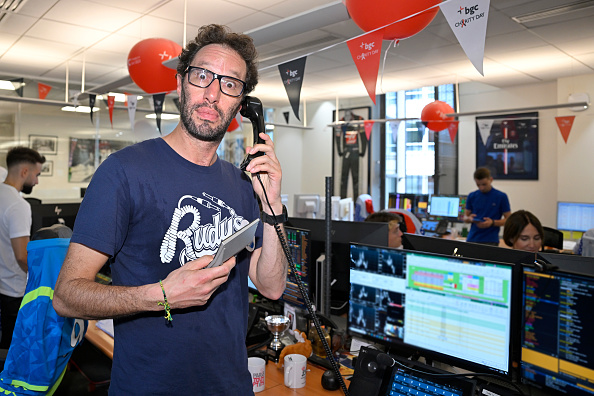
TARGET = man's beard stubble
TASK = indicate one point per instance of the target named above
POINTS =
(27, 189)
(205, 131)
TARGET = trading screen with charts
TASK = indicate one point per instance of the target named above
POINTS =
(557, 342)
(450, 305)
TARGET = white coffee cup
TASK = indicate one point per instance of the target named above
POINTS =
(295, 370)
(257, 368)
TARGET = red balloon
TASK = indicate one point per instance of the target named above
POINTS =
(370, 15)
(145, 65)
(434, 117)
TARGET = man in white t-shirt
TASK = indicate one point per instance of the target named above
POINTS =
(24, 167)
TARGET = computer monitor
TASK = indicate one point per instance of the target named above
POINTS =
(342, 234)
(456, 310)
(421, 206)
(401, 201)
(299, 245)
(306, 205)
(575, 216)
(557, 343)
(48, 214)
(454, 247)
(444, 207)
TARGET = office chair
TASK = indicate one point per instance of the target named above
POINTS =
(553, 238)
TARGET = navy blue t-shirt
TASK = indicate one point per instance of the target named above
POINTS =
(493, 205)
(152, 211)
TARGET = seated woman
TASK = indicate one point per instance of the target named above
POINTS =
(523, 231)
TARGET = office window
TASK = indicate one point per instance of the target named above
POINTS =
(417, 160)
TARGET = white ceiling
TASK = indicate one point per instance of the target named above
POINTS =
(46, 40)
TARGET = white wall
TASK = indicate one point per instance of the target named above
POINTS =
(575, 160)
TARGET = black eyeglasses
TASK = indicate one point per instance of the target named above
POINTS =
(202, 78)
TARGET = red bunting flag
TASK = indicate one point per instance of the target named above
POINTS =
(43, 90)
(565, 123)
(453, 129)
(368, 127)
(366, 51)
(110, 105)
(235, 123)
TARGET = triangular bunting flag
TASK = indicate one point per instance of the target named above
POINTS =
(43, 90)
(176, 101)
(286, 115)
(484, 127)
(565, 123)
(292, 75)
(158, 100)
(19, 85)
(453, 129)
(368, 127)
(132, 101)
(235, 123)
(366, 51)
(92, 98)
(394, 125)
(110, 106)
(468, 20)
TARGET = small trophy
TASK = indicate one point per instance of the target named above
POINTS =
(276, 324)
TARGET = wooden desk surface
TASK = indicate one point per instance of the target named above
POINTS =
(274, 380)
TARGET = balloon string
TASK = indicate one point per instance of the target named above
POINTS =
(396, 42)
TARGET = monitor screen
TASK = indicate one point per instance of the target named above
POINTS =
(298, 242)
(444, 206)
(342, 234)
(306, 205)
(46, 214)
(455, 247)
(421, 206)
(557, 342)
(456, 309)
(574, 216)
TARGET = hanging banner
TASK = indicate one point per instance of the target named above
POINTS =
(292, 75)
(286, 115)
(176, 101)
(565, 123)
(235, 123)
(366, 51)
(19, 85)
(394, 125)
(158, 100)
(110, 106)
(484, 127)
(368, 127)
(468, 21)
(453, 130)
(92, 98)
(43, 90)
(132, 101)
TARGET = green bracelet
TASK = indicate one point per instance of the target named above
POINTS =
(165, 304)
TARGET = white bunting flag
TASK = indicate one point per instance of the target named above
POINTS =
(468, 20)
(484, 127)
(132, 101)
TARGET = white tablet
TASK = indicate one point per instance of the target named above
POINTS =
(234, 244)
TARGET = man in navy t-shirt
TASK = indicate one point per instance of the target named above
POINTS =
(158, 211)
(485, 209)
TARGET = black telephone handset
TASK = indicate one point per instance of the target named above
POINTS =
(251, 108)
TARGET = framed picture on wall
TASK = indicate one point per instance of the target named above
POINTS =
(47, 169)
(508, 145)
(81, 158)
(44, 144)
(350, 158)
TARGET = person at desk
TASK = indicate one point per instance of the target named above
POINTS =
(396, 226)
(485, 208)
(171, 200)
(23, 169)
(523, 231)
(579, 246)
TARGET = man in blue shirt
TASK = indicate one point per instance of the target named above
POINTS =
(485, 209)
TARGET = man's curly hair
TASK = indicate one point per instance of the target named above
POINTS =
(218, 34)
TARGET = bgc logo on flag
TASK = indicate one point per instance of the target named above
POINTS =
(470, 12)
